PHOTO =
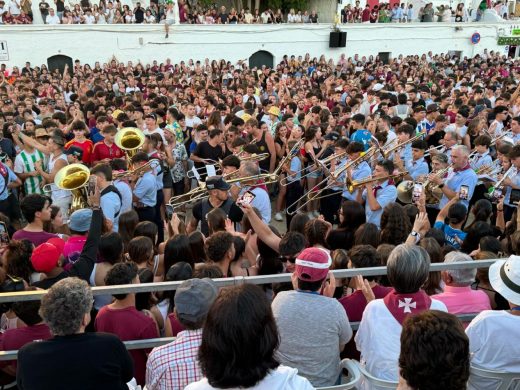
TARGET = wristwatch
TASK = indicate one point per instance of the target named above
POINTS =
(415, 234)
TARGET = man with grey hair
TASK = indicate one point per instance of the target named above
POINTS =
(461, 179)
(261, 199)
(458, 296)
(88, 360)
(378, 336)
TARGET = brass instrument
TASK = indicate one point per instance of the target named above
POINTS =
(74, 178)
(218, 164)
(138, 172)
(252, 142)
(355, 184)
(287, 160)
(431, 190)
(200, 192)
(129, 139)
(505, 134)
(438, 149)
(387, 152)
(496, 191)
(310, 195)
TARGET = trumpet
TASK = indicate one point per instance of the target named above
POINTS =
(355, 184)
(139, 171)
(387, 152)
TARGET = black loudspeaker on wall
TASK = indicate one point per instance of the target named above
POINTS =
(338, 39)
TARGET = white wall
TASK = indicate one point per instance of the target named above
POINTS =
(146, 42)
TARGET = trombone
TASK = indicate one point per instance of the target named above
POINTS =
(322, 163)
(387, 152)
(73, 178)
(139, 171)
(437, 149)
(334, 176)
(355, 184)
(200, 192)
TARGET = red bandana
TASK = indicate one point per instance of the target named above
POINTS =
(461, 169)
(403, 305)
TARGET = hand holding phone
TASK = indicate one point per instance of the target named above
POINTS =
(247, 198)
(464, 192)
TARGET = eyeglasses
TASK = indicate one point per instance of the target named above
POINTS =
(290, 259)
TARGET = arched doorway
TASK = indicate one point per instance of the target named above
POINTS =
(260, 58)
(58, 62)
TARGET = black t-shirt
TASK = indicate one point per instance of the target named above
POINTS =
(235, 214)
(60, 6)
(88, 361)
(139, 15)
(223, 18)
(206, 151)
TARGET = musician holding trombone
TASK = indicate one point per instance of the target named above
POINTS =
(377, 194)
(329, 208)
(358, 172)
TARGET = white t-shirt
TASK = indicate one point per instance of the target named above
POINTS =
(90, 19)
(494, 339)
(52, 19)
(379, 339)
(283, 378)
(14, 7)
(193, 122)
(158, 131)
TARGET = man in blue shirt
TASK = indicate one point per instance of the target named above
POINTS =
(330, 205)
(460, 175)
(512, 182)
(144, 190)
(417, 167)
(404, 133)
(428, 123)
(378, 194)
(360, 134)
(359, 172)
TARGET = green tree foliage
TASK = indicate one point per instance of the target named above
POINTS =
(286, 5)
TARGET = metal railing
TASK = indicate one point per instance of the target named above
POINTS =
(152, 343)
(222, 282)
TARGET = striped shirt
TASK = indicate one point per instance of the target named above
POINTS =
(24, 163)
(175, 365)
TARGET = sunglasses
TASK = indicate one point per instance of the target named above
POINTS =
(290, 259)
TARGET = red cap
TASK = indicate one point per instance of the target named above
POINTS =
(313, 264)
(45, 256)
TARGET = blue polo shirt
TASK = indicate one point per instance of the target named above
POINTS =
(10, 176)
(515, 178)
(417, 168)
(385, 195)
(481, 160)
(457, 179)
(146, 190)
(361, 172)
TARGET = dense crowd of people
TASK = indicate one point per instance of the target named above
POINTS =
(119, 174)
(406, 13)
(168, 12)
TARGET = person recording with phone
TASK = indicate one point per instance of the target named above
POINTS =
(261, 199)
(460, 175)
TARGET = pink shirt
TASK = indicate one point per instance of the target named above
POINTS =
(463, 300)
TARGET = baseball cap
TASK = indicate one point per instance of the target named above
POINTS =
(74, 151)
(193, 299)
(504, 276)
(313, 264)
(80, 220)
(217, 183)
(45, 256)
(377, 87)
(116, 113)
